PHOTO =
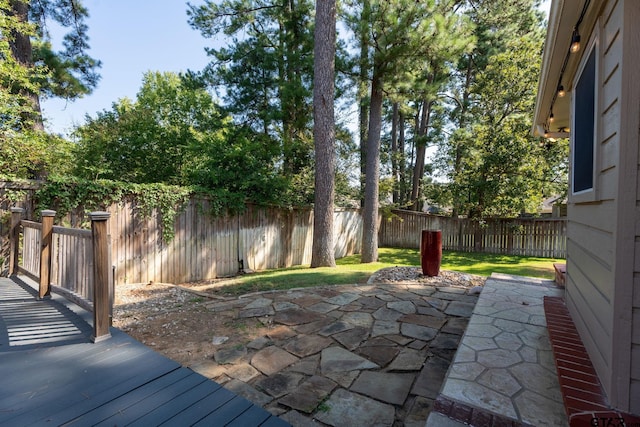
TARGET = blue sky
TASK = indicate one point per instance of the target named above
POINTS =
(130, 37)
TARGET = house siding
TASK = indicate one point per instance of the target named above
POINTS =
(635, 349)
(603, 228)
(602, 295)
(628, 301)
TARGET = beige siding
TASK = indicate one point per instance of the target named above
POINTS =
(630, 118)
(635, 350)
(592, 229)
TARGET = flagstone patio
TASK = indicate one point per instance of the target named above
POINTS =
(346, 355)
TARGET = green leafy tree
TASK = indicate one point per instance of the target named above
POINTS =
(146, 140)
(29, 69)
(149, 140)
(69, 73)
(266, 70)
(174, 133)
(496, 168)
(238, 166)
(403, 32)
(489, 114)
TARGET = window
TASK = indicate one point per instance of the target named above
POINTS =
(584, 126)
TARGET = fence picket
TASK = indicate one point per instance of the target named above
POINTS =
(205, 247)
(532, 237)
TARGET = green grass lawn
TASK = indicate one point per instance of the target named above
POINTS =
(351, 271)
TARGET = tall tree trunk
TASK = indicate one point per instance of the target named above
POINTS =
(402, 169)
(323, 252)
(421, 151)
(421, 148)
(457, 162)
(285, 79)
(395, 154)
(23, 53)
(372, 174)
(363, 89)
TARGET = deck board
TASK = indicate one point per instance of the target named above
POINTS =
(201, 408)
(164, 413)
(157, 399)
(226, 413)
(51, 374)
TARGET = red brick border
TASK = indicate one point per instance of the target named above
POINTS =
(475, 417)
(584, 399)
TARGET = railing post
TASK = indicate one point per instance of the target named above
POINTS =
(101, 270)
(14, 240)
(44, 291)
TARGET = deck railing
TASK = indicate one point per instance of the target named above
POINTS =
(72, 262)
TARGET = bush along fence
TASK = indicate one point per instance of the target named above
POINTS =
(528, 237)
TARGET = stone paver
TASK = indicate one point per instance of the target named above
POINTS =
(351, 409)
(408, 360)
(424, 333)
(279, 384)
(271, 360)
(395, 390)
(504, 363)
(296, 316)
(248, 392)
(309, 395)
(430, 379)
(378, 355)
(337, 359)
(307, 345)
(462, 309)
(226, 356)
(352, 338)
(243, 372)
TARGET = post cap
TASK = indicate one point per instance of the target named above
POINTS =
(99, 216)
(48, 212)
(16, 209)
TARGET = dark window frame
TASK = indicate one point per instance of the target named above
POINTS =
(584, 126)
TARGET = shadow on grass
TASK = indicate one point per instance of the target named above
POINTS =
(387, 257)
(486, 264)
(290, 279)
(351, 271)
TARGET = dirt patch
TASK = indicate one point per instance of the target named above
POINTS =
(179, 323)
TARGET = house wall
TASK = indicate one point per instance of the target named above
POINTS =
(629, 281)
(603, 274)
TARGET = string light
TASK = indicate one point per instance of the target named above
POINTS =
(573, 48)
(575, 41)
(561, 91)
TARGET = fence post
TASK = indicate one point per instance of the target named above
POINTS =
(101, 274)
(14, 239)
(44, 291)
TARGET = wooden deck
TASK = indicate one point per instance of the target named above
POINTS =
(51, 374)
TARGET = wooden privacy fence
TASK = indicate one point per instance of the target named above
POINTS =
(528, 237)
(75, 263)
(206, 247)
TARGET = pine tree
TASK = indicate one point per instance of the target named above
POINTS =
(323, 252)
(69, 73)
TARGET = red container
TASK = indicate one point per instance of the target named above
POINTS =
(431, 252)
